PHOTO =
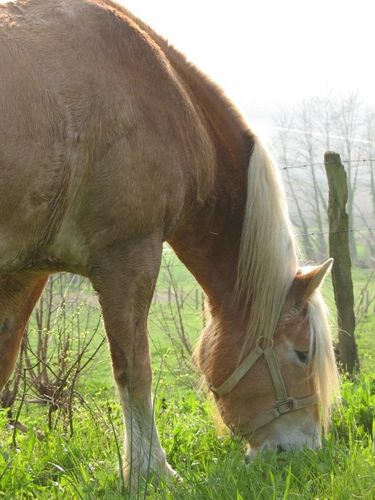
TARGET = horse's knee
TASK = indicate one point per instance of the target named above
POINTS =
(121, 377)
(131, 366)
(134, 382)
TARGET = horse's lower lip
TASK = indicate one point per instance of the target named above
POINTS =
(252, 452)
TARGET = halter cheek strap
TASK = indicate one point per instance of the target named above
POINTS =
(284, 403)
(238, 374)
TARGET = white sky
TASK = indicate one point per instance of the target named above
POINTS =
(272, 53)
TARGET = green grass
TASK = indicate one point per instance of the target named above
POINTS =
(86, 466)
(49, 464)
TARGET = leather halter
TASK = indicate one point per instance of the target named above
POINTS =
(284, 402)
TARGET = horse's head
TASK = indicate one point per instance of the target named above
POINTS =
(280, 394)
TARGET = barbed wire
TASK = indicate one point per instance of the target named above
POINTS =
(363, 162)
(317, 233)
(310, 134)
(166, 265)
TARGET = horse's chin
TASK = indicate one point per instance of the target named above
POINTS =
(280, 436)
(252, 452)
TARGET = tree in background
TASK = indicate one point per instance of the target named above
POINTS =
(302, 136)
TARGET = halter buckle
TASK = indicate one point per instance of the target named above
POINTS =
(285, 406)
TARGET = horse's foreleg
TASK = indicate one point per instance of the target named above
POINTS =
(125, 280)
(18, 295)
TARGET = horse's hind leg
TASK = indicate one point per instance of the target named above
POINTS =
(18, 295)
(125, 280)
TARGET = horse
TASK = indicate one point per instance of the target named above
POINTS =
(112, 143)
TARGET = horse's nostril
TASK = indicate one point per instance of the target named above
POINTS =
(279, 449)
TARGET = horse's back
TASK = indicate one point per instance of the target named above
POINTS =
(97, 134)
(76, 66)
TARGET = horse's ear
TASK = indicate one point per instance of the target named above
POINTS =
(305, 284)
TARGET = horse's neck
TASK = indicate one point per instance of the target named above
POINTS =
(208, 243)
(209, 247)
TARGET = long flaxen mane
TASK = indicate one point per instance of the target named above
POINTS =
(268, 263)
(268, 260)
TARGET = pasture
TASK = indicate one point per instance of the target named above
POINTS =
(42, 463)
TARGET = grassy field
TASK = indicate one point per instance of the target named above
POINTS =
(46, 463)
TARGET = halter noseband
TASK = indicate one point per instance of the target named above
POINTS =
(284, 403)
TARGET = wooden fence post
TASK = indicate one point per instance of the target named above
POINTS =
(339, 250)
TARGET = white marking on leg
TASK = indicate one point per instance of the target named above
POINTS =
(144, 454)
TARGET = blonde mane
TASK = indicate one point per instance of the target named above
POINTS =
(268, 259)
(268, 263)
(324, 369)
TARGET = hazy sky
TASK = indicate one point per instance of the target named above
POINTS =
(267, 53)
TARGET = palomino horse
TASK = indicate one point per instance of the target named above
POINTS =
(112, 143)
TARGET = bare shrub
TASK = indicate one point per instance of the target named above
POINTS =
(59, 346)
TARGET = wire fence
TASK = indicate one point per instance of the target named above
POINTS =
(361, 162)
(308, 202)
(317, 233)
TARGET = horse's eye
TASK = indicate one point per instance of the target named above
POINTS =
(303, 356)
